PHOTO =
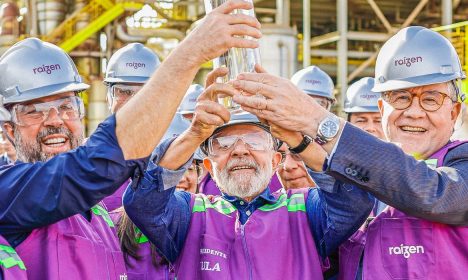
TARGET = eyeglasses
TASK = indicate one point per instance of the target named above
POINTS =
(257, 141)
(123, 92)
(294, 156)
(322, 101)
(194, 168)
(68, 109)
(428, 100)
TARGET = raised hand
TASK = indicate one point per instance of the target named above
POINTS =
(220, 30)
(277, 101)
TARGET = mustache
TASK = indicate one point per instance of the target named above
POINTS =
(46, 131)
(242, 161)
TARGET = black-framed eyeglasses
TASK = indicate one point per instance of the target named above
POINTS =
(428, 100)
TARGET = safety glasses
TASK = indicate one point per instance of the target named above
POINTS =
(322, 101)
(256, 141)
(68, 109)
(295, 157)
(123, 92)
(428, 100)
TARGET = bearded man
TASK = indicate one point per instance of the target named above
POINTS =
(247, 231)
(49, 200)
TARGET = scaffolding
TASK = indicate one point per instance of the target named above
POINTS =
(457, 33)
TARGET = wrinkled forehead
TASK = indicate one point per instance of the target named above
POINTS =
(240, 129)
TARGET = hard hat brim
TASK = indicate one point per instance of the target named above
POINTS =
(187, 112)
(138, 80)
(318, 93)
(45, 91)
(362, 109)
(416, 82)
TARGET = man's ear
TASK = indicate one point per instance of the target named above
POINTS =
(9, 131)
(457, 108)
(276, 160)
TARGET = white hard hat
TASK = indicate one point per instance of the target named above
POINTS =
(133, 63)
(32, 69)
(360, 98)
(190, 99)
(176, 127)
(313, 81)
(416, 56)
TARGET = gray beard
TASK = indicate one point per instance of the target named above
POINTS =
(243, 186)
(32, 151)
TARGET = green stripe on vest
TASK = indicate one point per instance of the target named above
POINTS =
(222, 206)
(432, 162)
(295, 203)
(140, 237)
(100, 211)
(9, 258)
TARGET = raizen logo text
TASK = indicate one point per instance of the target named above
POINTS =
(405, 250)
(313, 82)
(135, 65)
(369, 96)
(408, 61)
(123, 277)
(46, 68)
(208, 265)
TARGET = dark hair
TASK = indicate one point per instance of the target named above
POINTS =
(128, 235)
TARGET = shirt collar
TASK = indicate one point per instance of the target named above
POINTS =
(265, 196)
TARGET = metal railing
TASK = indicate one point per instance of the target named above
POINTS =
(94, 16)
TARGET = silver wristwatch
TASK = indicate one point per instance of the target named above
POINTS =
(327, 129)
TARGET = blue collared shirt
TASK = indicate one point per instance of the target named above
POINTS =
(33, 195)
(5, 160)
(163, 214)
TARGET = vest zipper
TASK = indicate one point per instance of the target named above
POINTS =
(246, 252)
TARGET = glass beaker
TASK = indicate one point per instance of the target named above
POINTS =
(237, 60)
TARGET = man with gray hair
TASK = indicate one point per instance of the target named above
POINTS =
(49, 210)
(421, 173)
(242, 232)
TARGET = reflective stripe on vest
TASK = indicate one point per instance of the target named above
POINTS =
(140, 238)
(220, 205)
(295, 203)
(9, 258)
(100, 211)
(432, 162)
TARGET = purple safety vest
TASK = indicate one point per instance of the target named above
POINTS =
(275, 243)
(398, 246)
(208, 186)
(143, 269)
(74, 248)
(11, 266)
(114, 201)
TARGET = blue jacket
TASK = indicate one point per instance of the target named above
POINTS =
(383, 169)
(34, 195)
